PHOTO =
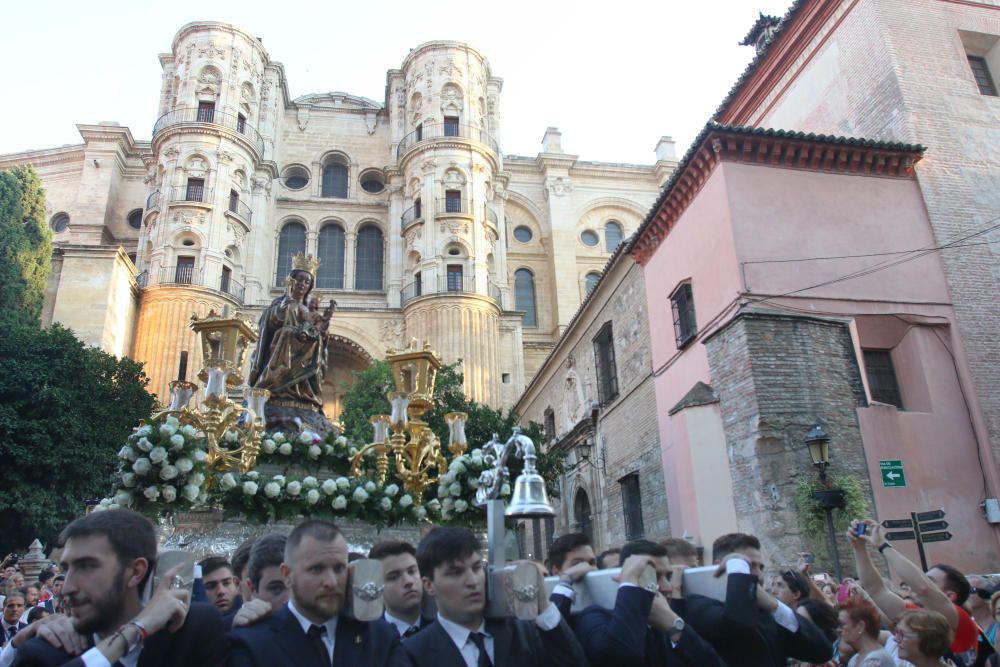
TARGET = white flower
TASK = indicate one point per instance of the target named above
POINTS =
(189, 431)
(473, 483)
(461, 506)
(279, 437)
(339, 503)
(314, 451)
(158, 455)
(447, 505)
(305, 437)
(477, 456)
(269, 446)
(421, 513)
(391, 490)
(176, 442)
(327, 449)
(128, 479)
(406, 500)
(385, 504)
(456, 467)
(360, 495)
(126, 453)
(442, 491)
(294, 488)
(184, 464)
(250, 488)
(505, 489)
(143, 430)
(191, 492)
(151, 493)
(278, 479)
(142, 466)
(169, 494)
(168, 472)
(272, 490)
(341, 441)
(167, 430)
(434, 505)
(312, 497)
(447, 479)
(197, 479)
(253, 474)
(310, 482)
(370, 487)
(144, 444)
(123, 498)
(455, 489)
(200, 455)
(172, 421)
(232, 436)
(329, 486)
(228, 481)
(285, 449)
(343, 483)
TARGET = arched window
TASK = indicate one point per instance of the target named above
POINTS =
(581, 508)
(291, 241)
(335, 180)
(612, 235)
(524, 296)
(368, 259)
(330, 274)
(592, 279)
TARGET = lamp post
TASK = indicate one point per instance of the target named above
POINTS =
(818, 443)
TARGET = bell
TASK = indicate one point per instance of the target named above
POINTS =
(529, 499)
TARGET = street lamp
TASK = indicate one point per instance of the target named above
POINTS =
(818, 443)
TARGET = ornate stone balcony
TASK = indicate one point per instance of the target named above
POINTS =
(194, 117)
(445, 131)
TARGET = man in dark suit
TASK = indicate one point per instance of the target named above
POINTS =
(13, 608)
(108, 557)
(403, 590)
(310, 629)
(453, 573)
(752, 628)
(645, 628)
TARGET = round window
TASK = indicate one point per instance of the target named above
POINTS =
(453, 251)
(135, 219)
(60, 223)
(589, 238)
(187, 242)
(295, 177)
(372, 181)
(522, 233)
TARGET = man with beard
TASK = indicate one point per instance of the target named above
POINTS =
(107, 557)
(309, 629)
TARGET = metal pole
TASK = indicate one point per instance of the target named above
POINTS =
(833, 543)
(496, 555)
(920, 541)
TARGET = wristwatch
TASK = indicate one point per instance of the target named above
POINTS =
(884, 546)
(679, 625)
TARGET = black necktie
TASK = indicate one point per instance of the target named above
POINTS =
(479, 639)
(316, 634)
(410, 631)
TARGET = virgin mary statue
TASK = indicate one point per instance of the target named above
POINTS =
(290, 359)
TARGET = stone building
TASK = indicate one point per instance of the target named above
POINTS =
(425, 229)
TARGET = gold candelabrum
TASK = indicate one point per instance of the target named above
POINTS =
(225, 342)
(402, 436)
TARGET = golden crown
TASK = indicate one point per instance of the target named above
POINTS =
(305, 263)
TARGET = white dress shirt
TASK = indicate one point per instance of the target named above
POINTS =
(331, 627)
(401, 625)
(547, 620)
(784, 615)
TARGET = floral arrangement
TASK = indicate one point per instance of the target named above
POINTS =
(456, 490)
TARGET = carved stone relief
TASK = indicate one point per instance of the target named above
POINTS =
(302, 117)
(224, 156)
(371, 118)
(392, 333)
(455, 227)
(412, 237)
(211, 51)
(189, 218)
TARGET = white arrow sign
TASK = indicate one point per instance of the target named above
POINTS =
(892, 475)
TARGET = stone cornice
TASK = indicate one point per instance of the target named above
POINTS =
(527, 165)
(45, 157)
(770, 148)
(426, 149)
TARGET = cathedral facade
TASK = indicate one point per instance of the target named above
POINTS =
(423, 227)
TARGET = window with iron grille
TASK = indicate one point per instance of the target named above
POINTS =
(550, 425)
(524, 296)
(291, 241)
(881, 375)
(682, 304)
(195, 190)
(335, 181)
(451, 126)
(234, 201)
(607, 374)
(416, 210)
(453, 201)
(981, 72)
(184, 272)
(632, 504)
(581, 508)
(330, 274)
(227, 277)
(368, 259)
(241, 123)
(418, 283)
(420, 132)
(206, 112)
(454, 278)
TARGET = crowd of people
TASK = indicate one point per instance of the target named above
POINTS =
(282, 600)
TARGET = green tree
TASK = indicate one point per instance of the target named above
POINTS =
(65, 410)
(25, 246)
(366, 397)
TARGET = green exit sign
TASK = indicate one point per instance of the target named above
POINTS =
(892, 473)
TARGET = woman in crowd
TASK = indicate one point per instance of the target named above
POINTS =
(859, 627)
(924, 637)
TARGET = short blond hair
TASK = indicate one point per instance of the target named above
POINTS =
(934, 634)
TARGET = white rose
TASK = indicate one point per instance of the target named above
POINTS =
(455, 489)
(173, 421)
(370, 487)
(329, 487)
(158, 455)
(197, 479)
(142, 466)
(447, 479)
(434, 505)
(305, 437)
(294, 488)
(269, 446)
(279, 437)
(391, 490)
(456, 467)
(447, 505)
(339, 503)
(167, 430)
(143, 430)
(253, 474)
(442, 491)
(184, 464)
(169, 494)
(505, 489)
(278, 479)
(312, 497)
(151, 493)
(421, 513)
(232, 436)
(406, 500)
(168, 472)
(200, 455)
(191, 492)
(144, 444)
(285, 449)
(385, 504)
(461, 506)
(477, 455)
(360, 495)
(314, 451)
(128, 479)
(272, 490)
(228, 481)
(126, 453)
(310, 482)
(341, 441)
(343, 483)
(123, 498)
(250, 488)
(176, 442)
(189, 431)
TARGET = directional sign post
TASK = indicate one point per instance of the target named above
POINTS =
(921, 526)
(892, 473)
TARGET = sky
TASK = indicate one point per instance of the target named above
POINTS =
(613, 76)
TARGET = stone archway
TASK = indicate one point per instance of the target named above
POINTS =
(344, 356)
(581, 510)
